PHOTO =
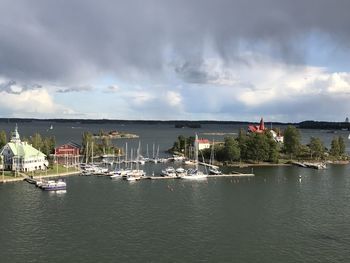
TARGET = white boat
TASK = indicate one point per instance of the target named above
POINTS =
(134, 175)
(169, 172)
(349, 137)
(180, 172)
(214, 171)
(120, 173)
(178, 158)
(53, 185)
(189, 162)
(195, 174)
(137, 173)
(132, 178)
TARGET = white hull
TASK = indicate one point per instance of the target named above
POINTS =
(195, 177)
(133, 178)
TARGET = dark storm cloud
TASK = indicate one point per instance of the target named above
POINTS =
(67, 40)
(74, 89)
(11, 87)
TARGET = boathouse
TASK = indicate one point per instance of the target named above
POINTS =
(21, 156)
(68, 153)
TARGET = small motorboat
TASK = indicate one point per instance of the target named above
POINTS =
(52, 185)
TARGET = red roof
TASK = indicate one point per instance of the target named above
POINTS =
(203, 141)
(258, 128)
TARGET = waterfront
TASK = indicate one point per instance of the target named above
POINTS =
(283, 214)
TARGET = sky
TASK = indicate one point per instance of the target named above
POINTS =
(235, 60)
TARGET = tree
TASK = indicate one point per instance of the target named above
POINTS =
(316, 147)
(341, 145)
(106, 143)
(87, 140)
(291, 140)
(258, 147)
(335, 148)
(273, 148)
(231, 149)
(242, 142)
(3, 139)
(36, 141)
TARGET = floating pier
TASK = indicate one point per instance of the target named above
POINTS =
(208, 176)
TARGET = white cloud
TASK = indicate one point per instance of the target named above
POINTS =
(262, 86)
(173, 98)
(32, 103)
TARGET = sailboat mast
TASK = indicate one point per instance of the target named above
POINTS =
(138, 156)
(212, 153)
(87, 153)
(131, 156)
(92, 153)
(126, 153)
(196, 151)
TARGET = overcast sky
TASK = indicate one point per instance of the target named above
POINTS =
(183, 59)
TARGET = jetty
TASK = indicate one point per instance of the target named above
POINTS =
(208, 176)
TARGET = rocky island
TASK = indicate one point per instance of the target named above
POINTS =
(115, 135)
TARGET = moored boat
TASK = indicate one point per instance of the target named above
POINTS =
(169, 172)
(52, 185)
(180, 172)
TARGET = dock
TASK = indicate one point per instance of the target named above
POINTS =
(208, 176)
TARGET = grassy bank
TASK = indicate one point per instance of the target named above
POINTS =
(54, 171)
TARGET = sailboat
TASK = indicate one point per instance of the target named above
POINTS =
(213, 169)
(137, 173)
(195, 174)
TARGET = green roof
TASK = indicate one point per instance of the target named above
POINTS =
(24, 150)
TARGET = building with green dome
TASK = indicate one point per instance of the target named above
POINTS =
(21, 156)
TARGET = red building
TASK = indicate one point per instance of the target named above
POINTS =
(68, 153)
(257, 128)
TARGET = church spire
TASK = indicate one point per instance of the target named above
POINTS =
(15, 135)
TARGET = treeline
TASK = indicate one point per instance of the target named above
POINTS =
(325, 125)
(44, 144)
(100, 146)
(254, 147)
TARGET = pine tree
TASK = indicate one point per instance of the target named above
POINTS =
(291, 140)
(3, 139)
(335, 149)
(341, 145)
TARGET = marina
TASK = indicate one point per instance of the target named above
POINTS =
(215, 204)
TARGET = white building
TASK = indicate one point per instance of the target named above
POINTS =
(203, 144)
(277, 137)
(21, 156)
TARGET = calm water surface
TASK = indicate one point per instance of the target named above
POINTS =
(283, 214)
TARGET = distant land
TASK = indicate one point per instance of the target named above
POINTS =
(114, 121)
(326, 125)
